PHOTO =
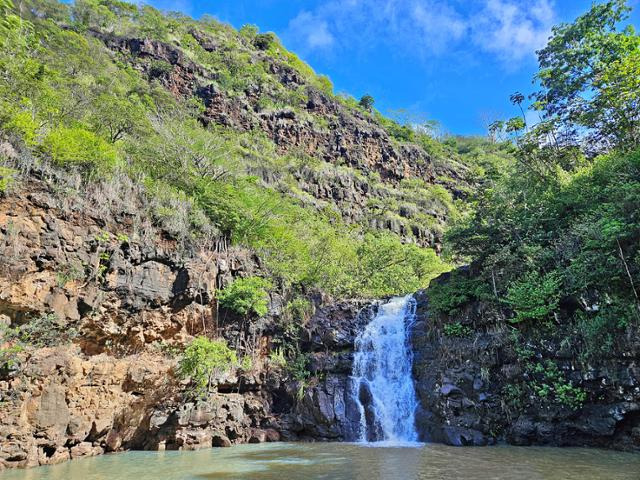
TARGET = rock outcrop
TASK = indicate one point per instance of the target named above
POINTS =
(361, 165)
(115, 297)
(484, 387)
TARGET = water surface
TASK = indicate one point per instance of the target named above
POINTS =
(339, 461)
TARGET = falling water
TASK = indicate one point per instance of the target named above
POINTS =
(382, 385)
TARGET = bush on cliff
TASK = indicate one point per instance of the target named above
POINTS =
(246, 296)
(203, 359)
(77, 147)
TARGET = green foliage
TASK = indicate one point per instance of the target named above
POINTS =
(600, 329)
(277, 357)
(298, 370)
(43, 331)
(589, 77)
(515, 124)
(8, 20)
(534, 297)
(203, 359)
(69, 273)
(386, 266)
(456, 329)
(579, 229)
(246, 296)
(7, 177)
(246, 363)
(549, 384)
(264, 41)
(366, 102)
(513, 396)
(299, 309)
(10, 357)
(448, 297)
(81, 148)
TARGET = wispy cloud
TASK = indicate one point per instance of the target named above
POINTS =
(513, 31)
(312, 30)
(510, 30)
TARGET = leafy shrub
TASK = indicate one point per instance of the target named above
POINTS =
(324, 83)
(7, 176)
(79, 147)
(203, 359)
(456, 329)
(387, 266)
(263, 41)
(160, 68)
(298, 370)
(366, 102)
(299, 309)
(9, 357)
(23, 124)
(448, 297)
(599, 330)
(43, 331)
(535, 296)
(513, 396)
(246, 295)
(249, 31)
(550, 384)
(277, 357)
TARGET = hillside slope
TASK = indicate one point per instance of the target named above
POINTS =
(169, 184)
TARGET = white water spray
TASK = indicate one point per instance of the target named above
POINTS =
(382, 385)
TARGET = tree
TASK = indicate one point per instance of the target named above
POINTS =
(515, 125)
(589, 78)
(517, 98)
(79, 147)
(8, 20)
(367, 102)
(496, 129)
(93, 14)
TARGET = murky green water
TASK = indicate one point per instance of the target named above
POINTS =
(291, 461)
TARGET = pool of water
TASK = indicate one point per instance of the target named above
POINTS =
(337, 461)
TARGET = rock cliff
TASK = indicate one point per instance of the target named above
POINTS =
(111, 299)
(357, 165)
(492, 385)
(116, 297)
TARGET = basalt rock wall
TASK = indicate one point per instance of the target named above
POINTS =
(487, 386)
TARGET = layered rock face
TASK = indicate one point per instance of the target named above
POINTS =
(481, 389)
(129, 294)
(351, 145)
(115, 298)
(326, 410)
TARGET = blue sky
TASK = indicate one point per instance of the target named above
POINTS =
(454, 61)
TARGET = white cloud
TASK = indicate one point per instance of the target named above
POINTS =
(437, 24)
(312, 30)
(511, 30)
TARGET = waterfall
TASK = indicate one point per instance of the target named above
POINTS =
(381, 383)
